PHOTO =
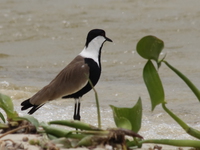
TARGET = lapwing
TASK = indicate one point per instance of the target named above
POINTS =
(72, 81)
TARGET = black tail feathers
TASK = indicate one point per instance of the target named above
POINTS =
(26, 104)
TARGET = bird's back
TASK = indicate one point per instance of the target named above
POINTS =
(94, 75)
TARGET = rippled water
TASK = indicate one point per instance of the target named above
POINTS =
(39, 38)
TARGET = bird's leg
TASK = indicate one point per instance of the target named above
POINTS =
(77, 109)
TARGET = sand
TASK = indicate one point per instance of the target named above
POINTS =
(18, 138)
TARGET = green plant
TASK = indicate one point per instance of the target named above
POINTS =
(7, 105)
(80, 133)
(150, 47)
(128, 118)
(91, 136)
(11, 122)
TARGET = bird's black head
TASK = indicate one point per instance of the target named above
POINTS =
(94, 33)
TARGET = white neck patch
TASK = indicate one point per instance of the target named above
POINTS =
(93, 49)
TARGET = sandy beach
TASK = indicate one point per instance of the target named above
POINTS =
(18, 138)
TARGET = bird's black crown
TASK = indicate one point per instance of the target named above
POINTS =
(94, 33)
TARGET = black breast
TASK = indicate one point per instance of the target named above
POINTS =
(95, 72)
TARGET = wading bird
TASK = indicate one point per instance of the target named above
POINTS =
(72, 81)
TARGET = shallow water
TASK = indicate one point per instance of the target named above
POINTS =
(39, 38)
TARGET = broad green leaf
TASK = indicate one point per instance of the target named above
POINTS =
(194, 89)
(126, 116)
(122, 122)
(7, 105)
(153, 84)
(6, 102)
(150, 47)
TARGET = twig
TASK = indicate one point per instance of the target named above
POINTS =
(12, 131)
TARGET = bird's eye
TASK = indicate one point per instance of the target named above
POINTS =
(103, 34)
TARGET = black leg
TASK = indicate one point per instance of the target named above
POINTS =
(77, 110)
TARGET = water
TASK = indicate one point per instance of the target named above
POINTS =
(39, 38)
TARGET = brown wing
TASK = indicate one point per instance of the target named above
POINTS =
(70, 80)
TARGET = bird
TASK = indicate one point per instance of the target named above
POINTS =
(73, 80)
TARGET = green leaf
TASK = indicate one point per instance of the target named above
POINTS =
(6, 102)
(63, 142)
(51, 137)
(153, 84)
(2, 117)
(55, 131)
(60, 132)
(31, 119)
(150, 47)
(124, 117)
(122, 122)
(75, 124)
(86, 141)
(7, 105)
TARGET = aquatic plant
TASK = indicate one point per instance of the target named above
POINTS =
(150, 47)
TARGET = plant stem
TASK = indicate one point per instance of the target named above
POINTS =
(194, 89)
(93, 132)
(98, 109)
(191, 131)
(97, 104)
(182, 143)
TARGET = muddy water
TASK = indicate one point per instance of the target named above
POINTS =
(39, 38)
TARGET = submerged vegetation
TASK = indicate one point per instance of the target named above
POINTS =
(128, 120)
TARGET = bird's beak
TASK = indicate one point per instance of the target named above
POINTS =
(107, 39)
